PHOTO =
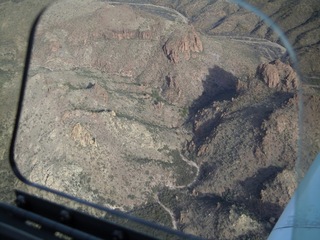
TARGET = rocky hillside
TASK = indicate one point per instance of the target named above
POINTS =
(298, 19)
(182, 112)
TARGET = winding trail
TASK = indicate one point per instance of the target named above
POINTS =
(195, 178)
(259, 41)
(173, 217)
(184, 19)
(181, 16)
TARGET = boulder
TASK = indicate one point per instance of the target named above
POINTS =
(181, 44)
(277, 74)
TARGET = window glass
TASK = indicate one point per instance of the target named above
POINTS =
(190, 115)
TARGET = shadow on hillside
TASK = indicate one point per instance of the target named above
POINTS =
(253, 185)
(219, 85)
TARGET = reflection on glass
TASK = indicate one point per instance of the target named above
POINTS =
(131, 107)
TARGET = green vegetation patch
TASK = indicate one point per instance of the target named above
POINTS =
(184, 112)
(183, 172)
(153, 212)
(5, 76)
(156, 96)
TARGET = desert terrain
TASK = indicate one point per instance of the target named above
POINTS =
(185, 113)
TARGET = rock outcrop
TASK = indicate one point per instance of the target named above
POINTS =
(277, 74)
(170, 89)
(138, 34)
(82, 136)
(279, 191)
(181, 44)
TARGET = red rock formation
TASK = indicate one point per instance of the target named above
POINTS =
(129, 34)
(269, 74)
(277, 74)
(182, 43)
(124, 35)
